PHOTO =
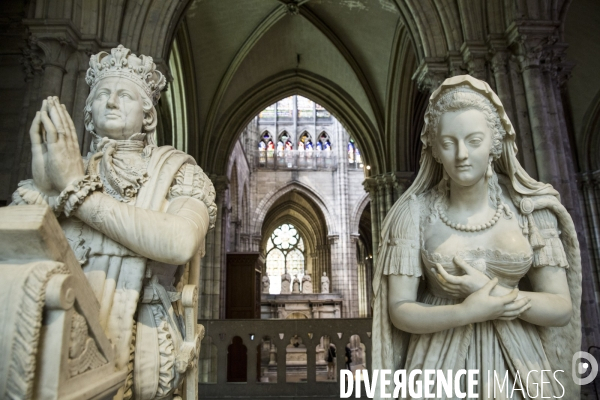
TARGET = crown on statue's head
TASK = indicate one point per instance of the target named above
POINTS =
(124, 64)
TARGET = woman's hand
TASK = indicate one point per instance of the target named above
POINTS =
(482, 306)
(460, 286)
(56, 161)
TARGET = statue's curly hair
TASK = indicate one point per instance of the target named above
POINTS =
(463, 98)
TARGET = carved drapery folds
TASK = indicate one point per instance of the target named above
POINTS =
(525, 63)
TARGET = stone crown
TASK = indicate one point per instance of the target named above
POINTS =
(124, 64)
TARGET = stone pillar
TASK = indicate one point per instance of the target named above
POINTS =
(531, 52)
(543, 69)
(32, 62)
(212, 276)
(45, 61)
(474, 56)
(344, 277)
(315, 307)
(273, 354)
(370, 186)
(590, 191)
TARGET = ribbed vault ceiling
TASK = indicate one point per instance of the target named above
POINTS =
(356, 57)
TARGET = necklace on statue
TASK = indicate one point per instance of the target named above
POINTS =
(472, 228)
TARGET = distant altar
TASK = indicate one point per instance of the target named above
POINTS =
(301, 306)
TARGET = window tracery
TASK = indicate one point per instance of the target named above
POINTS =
(266, 149)
(285, 253)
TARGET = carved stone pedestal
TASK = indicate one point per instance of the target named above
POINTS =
(51, 341)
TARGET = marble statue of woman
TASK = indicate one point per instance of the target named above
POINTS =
(479, 264)
(134, 214)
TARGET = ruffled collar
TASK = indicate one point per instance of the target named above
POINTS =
(121, 164)
(135, 143)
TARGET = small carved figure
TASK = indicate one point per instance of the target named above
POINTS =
(131, 211)
(324, 283)
(266, 284)
(286, 280)
(471, 226)
(307, 286)
(296, 285)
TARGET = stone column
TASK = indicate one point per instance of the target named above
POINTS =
(45, 61)
(212, 276)
(531, 51)
(32, 61)
(474, 56)
(56, 51)
(370, 186)
(344, 278)
(540, 57)
(590, 190)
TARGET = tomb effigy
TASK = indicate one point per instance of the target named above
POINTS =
(472, 228)
(109, 245)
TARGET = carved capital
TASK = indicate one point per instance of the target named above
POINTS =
(332, 239)
(474, 56)
(370, 185)
(499, 62)
(56, 50)
(430, 74)
(456, 65)
(404, 180)
(531, 42)
(221, 184)
(32, 61)
(555, 63)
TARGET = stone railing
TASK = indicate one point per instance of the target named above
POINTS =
(295, 159)
(279, 358)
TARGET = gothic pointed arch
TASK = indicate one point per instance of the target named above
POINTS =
(267, 202)
(316, 88)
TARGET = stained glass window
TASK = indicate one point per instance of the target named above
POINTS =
(354, 157)
(305, 108)
(322, 112)
(285, 253)
(305, 143)
(285, 108)
(268, 114)
(325, 143)
(265, 149)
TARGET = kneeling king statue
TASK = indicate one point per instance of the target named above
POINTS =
(134, 214)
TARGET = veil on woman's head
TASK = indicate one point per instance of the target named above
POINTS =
(431, 171)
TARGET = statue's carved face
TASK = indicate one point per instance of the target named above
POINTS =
(463, 145)
(117, 110)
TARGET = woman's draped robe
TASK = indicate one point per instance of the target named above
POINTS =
(495, 345)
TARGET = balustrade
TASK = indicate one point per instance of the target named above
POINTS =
(287, 340)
